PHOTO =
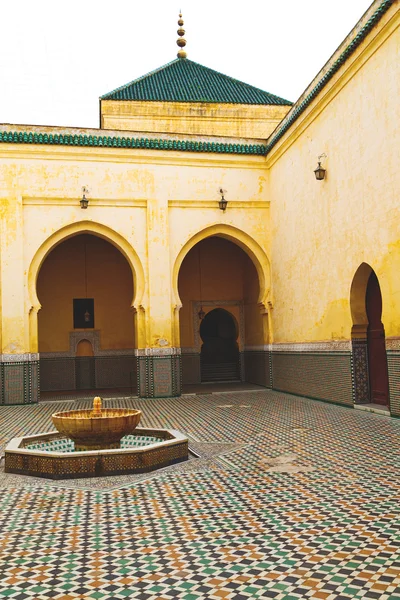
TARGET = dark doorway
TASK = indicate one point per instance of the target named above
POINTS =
(377, 359)
(220, 359)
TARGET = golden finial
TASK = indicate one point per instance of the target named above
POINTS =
(181, 40)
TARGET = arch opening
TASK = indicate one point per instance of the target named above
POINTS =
(86, 326)
(218, 278)
(240, 239)
(368, 339)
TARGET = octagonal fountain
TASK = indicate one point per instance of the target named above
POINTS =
(93, 443)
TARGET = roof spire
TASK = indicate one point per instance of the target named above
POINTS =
(181, 40)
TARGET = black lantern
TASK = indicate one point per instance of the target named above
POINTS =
(201, 314)
(84, 201)
(87, 316)
(319, 172)
(222, 203)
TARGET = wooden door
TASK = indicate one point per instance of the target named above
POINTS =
(377, 359)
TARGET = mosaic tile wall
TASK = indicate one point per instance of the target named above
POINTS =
(257, 367)
(394, 382)
(324, 375)
(19, 382)
(101, 372)
(191, 372)
(159, 376)
(359, 355)
(57, 374)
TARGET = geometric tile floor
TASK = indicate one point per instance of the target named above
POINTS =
(291, 498)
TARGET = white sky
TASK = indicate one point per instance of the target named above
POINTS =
(58, 57)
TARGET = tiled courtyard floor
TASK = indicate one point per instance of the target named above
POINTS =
(290, 499)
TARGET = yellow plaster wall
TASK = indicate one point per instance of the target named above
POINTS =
(104, 276)
(13, 334)
(323, 231)
(150, 202)
(217, 270)
(256, 325)
(239, 120)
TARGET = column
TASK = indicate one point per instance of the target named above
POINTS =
(19, 369)
(159, 364)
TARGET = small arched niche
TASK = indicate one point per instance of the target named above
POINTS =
(84, 348)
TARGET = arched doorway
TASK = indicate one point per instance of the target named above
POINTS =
(368, 339)
(219, 351)
(86, 333)
(377, 359)
(223, 327)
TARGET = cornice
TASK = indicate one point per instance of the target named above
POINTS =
(132, 156)
(213, 203)
(119, 142)
(57, 201)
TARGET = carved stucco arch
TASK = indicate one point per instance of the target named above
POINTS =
(246, 243)
(63, 234)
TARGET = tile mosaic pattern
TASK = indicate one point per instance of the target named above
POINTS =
(360, 371)
(321, 375)
(292, 499)
(393, 357)
(67, 445)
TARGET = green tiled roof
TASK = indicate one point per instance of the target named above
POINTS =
(55, 139)
(183, 80)
(298, 109)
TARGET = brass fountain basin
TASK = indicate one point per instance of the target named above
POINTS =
(100, 429)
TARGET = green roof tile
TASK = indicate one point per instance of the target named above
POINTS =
(25, 137)
(184, 80)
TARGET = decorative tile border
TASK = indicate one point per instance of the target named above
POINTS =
(334, 346)
(189, 350)
(260, 348)
(157, 351)
(17, 358)
(393, 343)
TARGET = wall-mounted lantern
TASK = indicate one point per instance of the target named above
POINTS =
(320, 171)
(84, 201)
(222, 203)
